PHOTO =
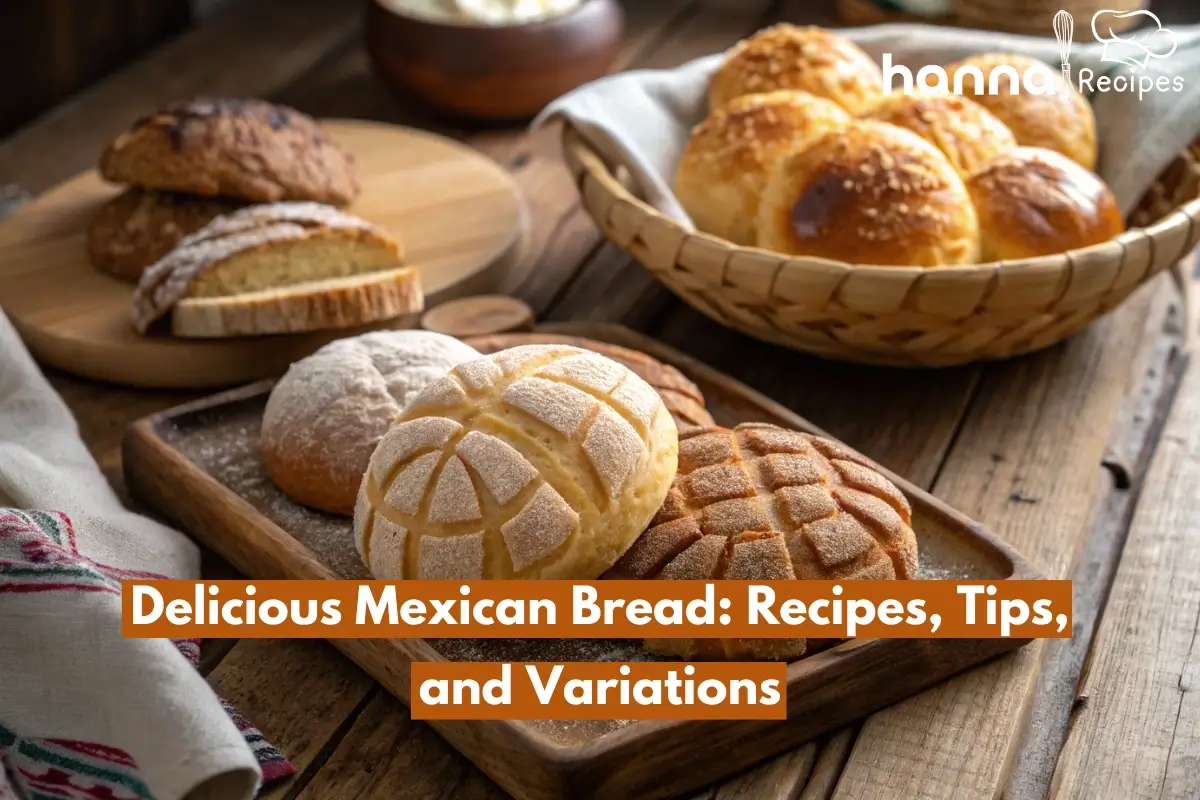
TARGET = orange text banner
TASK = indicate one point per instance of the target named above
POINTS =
(599, 609)
(652, 690)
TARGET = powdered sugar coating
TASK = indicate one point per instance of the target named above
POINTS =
(407, 492)
(305, 214)
(388, 541)
(542, 525)
(613, 447)
(502, 469)
(454, 498)
(560, 406)
(450, 558)
(410, 438)
(328, 412)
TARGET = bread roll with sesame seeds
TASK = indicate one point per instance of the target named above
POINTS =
(871, 193)
(1035, 202)
(810, 59)
(1062, 121)
(540, 461)
(730, 155)
(968, 134)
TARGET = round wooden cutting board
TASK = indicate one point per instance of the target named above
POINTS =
(458, 214)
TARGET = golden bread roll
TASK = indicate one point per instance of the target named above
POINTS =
(729, 156)
(328, 412)
(968, 134)
(763, 503)
(810, 59)
(1062, 121)
(540, 461)
(1036, 202)
(872, 193)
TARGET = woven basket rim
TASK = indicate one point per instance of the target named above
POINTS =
(573, 141)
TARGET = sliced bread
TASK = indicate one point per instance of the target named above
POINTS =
(319, 305)
(303, 256)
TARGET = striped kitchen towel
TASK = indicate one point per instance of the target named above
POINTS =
(84, 712)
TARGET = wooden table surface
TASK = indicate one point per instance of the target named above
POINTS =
(1079, 456)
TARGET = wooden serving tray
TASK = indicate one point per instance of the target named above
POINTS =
(459, 215)
(199, 464)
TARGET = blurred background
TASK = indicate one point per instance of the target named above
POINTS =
(51, 49)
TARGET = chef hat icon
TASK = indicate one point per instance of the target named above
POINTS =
(1136, 48)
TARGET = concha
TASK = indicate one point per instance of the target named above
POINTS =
(541, 461)
(762, 503)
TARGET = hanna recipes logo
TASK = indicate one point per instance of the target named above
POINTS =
(1135, 50)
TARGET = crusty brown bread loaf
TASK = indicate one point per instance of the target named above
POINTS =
(542, 461)
(762, 503)
(810, 59)
(682, 397)
(248, 149)
(138, 227)
(243, 262)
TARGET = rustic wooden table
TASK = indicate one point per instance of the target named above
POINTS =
(1081, 456)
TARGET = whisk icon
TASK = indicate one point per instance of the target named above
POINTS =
(1064, 29)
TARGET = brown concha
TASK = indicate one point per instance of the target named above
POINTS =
(762, 503)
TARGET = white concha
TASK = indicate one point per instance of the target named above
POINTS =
(543, 461)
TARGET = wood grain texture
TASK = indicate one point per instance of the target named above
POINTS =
(1137, 731)
(1154, 375)
(458, 215)
(1026, 461)
(387, 755)
(654, 758)
(53, 48)
(331, 688)
(250, 49)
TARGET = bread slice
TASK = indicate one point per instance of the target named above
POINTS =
(320, 305)
(303, 256)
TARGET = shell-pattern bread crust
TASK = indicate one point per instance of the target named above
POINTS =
(249, 149)
(968, 135)
(167, 281)
(682, 398)
(729, 156)
(762, 503)
(873, 193)
(1062, 121)
(138, 227)
(810, 59)
(540, 461)
(325, 416)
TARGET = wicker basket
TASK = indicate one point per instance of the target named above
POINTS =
(898, 316)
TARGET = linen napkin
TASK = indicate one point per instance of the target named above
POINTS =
(85, 713)
(642, 118)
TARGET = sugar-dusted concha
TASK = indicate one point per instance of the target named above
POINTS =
(541, 461)
(762, 503)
